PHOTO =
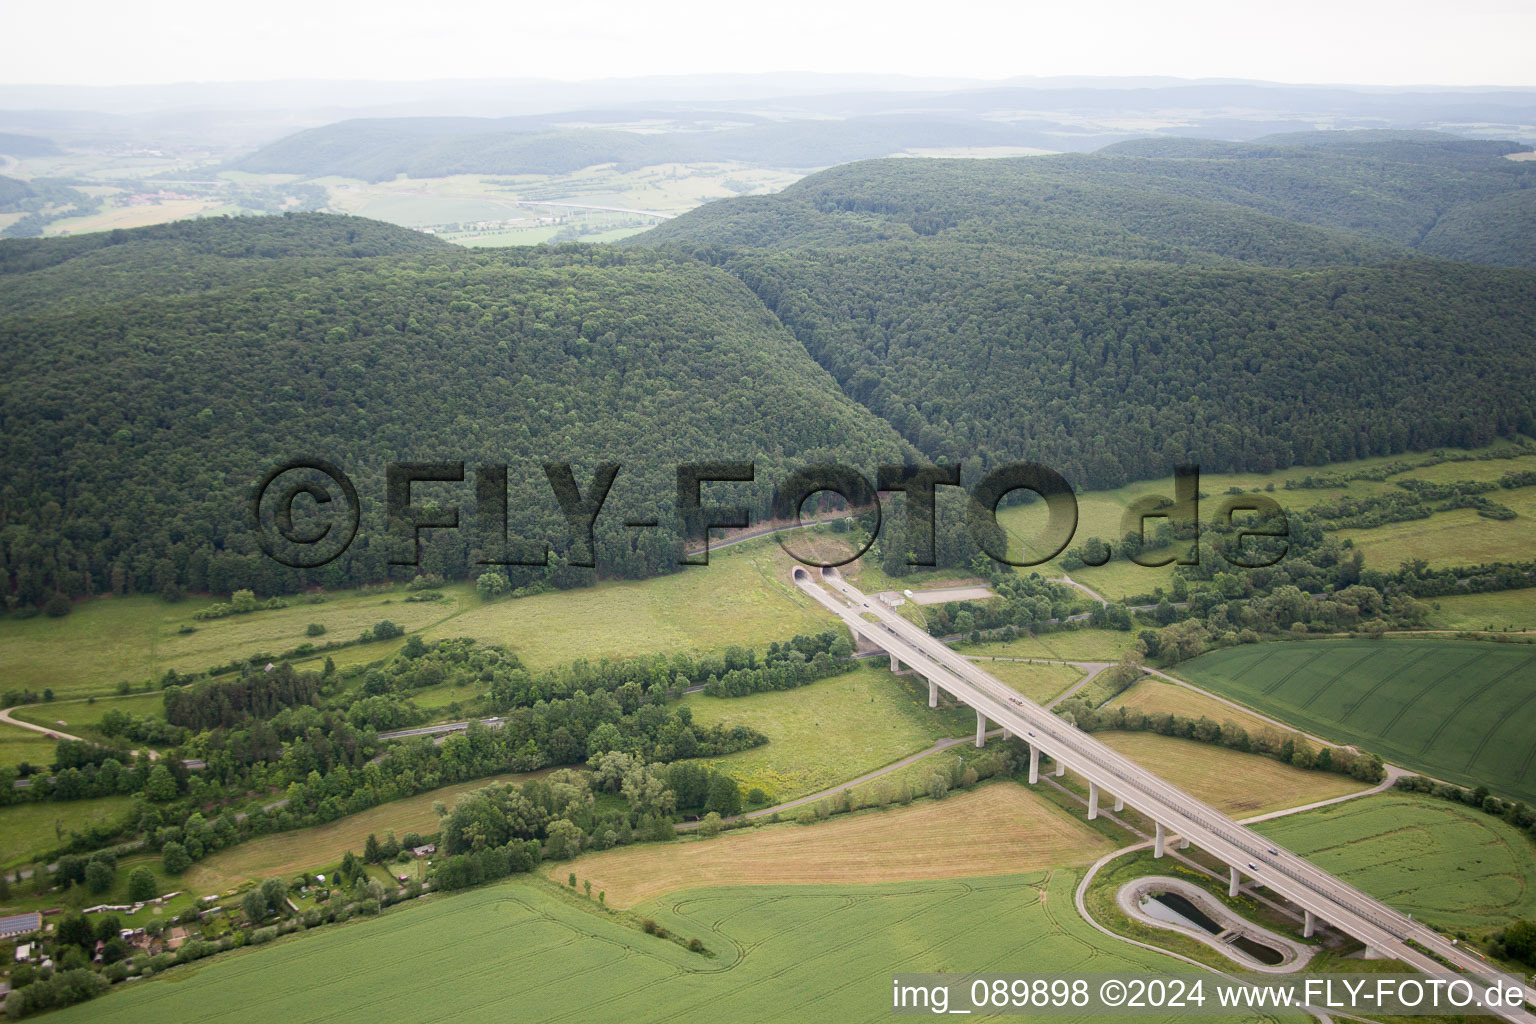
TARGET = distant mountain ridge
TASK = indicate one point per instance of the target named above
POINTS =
(1323, 198)
(378, 150)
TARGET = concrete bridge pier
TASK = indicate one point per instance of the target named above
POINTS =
(981, 729)
(1236, 882)
(895, 664)
(933, 694)
(1093, 801)
(1119, 803)
(1006, 734)
(1183, 842)
(1309, 924)
(1034, 766)
(1061, 767)
(1157, 844)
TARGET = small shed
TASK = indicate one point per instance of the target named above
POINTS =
(20, 924)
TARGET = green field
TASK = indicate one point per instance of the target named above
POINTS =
(1504, 609)
(1459, 710)
(471, 198)
(73, 716)
(1459, 537)
(1040, 683)
(830, 731)
(741, 597)
(1059, 645)
(136, 639)
(28, 831)
(1447, 864)
(519, 950)
(23, 746)
(281, 854)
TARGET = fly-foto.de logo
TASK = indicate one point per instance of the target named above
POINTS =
(306, 512)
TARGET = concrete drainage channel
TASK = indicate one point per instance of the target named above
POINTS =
(1178, 906)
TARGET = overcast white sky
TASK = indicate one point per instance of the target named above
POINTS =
(1381, 42)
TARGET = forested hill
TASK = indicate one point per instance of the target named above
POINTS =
(1289, 201)
(191, 256)
(429, 147)
(988, 309)
(13, 190)
(135, 422)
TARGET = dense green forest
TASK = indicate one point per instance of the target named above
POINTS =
(1286, 202)
(12, 191)
(1111, 315)
(1240, 306)
(153, 376)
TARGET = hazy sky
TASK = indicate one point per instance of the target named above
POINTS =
(1385, 42)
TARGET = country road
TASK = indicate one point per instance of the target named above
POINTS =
(1379, 926)
(58, 734)
(588, 206)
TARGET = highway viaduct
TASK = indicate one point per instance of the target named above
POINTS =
(1175, 813)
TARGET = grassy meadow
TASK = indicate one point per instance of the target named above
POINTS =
(1155, 697)
(1040, 683)
(23, 746)
(1059, 645)
(30, 830)
(830, 731)
(1447, 864)
(135, 639)
(1459, 537)
(1011, 830)
(82, 715)
(1459, 710)
(1237, 784)
(741, 597)
(1501, 610)
(283, 854)
(558, 958)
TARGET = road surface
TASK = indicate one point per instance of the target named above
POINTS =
(589, 206)
(1380, 927)
(47, 730)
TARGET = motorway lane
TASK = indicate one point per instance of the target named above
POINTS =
(1298, 879)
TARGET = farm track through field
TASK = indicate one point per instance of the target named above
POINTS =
(1272, 687)
(1432, 684)
(1335, 678)
(1498, 724)
(1455, 712)
(847, 903)
(1452, 710)
(965, 891)
(1530, 756)
(1364, 698)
